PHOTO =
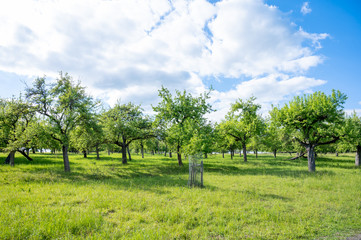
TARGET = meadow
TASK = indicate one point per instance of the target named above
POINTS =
(148, 198)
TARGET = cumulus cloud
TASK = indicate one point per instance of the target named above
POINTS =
(305, 9)
(128, 49)
(272, 89)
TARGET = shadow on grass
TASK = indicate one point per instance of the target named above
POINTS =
(153, 173)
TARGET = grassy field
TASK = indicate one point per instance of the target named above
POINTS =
(148, 198)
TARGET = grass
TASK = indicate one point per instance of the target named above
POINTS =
(148, 198)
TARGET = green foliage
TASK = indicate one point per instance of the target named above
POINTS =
(124, 124)
(64, 104)
(352, 132)
(242, 122)
(316, 117)
(182, 116)
(18, 124)
(266, 198)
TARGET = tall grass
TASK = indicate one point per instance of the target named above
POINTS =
(148, 198)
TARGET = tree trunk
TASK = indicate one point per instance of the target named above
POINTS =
(231, 154)
(130, 157)
(205, 155)
(108, 152)
(311, 158)
(256, 151)
(274, 153)
(180, 163)
(66, 159)
(85, 154)
(12, 157)
(124, 154)
(26, 156)
(28, 151)
(358, 153)
(33, 150)
(97, 151)
(142, 149)
(244, 152)
(222, 154)
(170, 154)
(336, 154)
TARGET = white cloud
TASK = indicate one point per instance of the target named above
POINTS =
(273, 89)
(127, 49)
(305, 9)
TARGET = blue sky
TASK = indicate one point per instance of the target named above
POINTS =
(125, 50)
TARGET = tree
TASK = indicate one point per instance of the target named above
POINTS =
(315, 120)
(242, 122)
(124, 124)
(89, 134)
(179, 113)
(17, 127)
(352, 135)
(64, 105)
(273, 137)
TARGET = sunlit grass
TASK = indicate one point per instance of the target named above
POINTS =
(148, 198)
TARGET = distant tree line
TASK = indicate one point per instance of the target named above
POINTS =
(60, 116)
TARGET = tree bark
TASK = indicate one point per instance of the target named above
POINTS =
(12, 157)
(170, 154)
(85, 154)
(124, 154)
(311, 158)
(180, 163)
(97, 151)
(33, 150)
(142, 149)
(130, 157)
(66, 158)
(244, 152)
(357, 158)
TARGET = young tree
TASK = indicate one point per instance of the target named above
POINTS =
(180, 113)
(64, 105)
(124, 124)
(243, 122)
(315, 118)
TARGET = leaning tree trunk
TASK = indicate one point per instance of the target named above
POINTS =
(244, 152)
(180, 163)
(26, 156)
(358, 153)
(311, 158)
(66, 159)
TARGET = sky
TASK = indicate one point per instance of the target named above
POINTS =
(125, 50)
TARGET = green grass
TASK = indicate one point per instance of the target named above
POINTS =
(148, 198)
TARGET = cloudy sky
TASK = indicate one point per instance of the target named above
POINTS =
(128, 49)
